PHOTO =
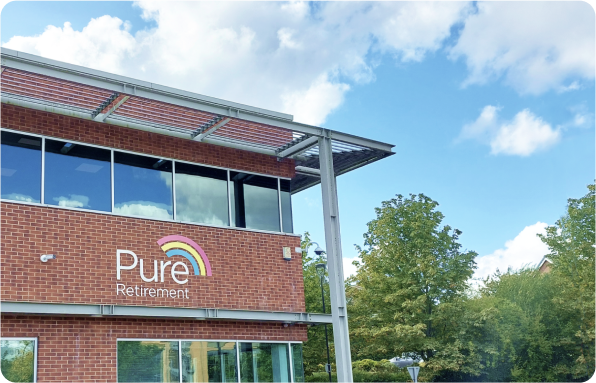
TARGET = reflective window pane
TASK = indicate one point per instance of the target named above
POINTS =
(77, 176)
(201, 194)
(18, 360)
(21, 167)
(256, 204)
(209, 362)
(264, 362)
(148, 361)
(297, 363)
(286, 206)
(142, 186)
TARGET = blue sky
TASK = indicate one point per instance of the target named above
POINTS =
(490, 105)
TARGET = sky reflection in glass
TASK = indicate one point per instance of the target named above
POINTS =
(77, 176)
(21, 167)
(286, 206)
(142, 186)
(201, 195)
(256, 204)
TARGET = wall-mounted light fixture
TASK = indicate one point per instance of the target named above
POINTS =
(47, 257)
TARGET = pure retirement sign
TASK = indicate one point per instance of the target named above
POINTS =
(172, 245)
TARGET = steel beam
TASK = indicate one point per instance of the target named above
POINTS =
(161, 312)
(211, 130)
(101, 117)
(299, 148)
(341, 335)
(308, 171)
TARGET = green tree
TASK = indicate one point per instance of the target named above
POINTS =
(314, 350)
(18, 360)
(527, 328)
(409, 287)
(571, 249)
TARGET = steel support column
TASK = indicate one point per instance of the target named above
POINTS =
(339, 314)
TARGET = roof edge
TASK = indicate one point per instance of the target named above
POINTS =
(94, 73)
(117, 83)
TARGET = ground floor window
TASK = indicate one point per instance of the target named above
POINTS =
(192, 361)
(19, 359)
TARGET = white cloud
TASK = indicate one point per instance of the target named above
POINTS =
(295, 57)
(19, 197)
(74, 200)
(535, 46)
(143, 209)
(522, 136)
(102, 44)
(349, 268)
(526, 249)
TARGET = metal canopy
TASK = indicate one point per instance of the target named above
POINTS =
(44, 84)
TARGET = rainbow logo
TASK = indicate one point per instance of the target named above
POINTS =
(179, 245)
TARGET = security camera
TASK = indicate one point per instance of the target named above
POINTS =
(47, 257)
(318, 250)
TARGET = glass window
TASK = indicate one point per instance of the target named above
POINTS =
(209, 362)
(297, 364)
(264, 362)
(18, 359)
(142, 186)
(148, 361)
(77, 176)
(286, 206)
(201, 194)
(256, 204)
(21, 167)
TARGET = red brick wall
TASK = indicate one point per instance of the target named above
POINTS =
(84, 349)
(76, 129)
(248, 270)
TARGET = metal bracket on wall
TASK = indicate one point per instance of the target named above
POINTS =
(106, 309)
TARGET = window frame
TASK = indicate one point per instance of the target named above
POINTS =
(174, 161)
(35, 351)
(236, 341)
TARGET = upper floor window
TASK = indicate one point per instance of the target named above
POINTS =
(142, 186)
(201, 194)
(77, 176)
(74, 175)
(256, 203)
(21, 167)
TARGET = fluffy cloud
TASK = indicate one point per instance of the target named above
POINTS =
(73, 200)
(143, 209)
(534, 46)
(300, 58)
(19, 197)
(526, 249)
(522, 136)
(102, 44)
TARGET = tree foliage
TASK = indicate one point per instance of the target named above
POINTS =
(19, 365)
(571, 249)
(407, 293)
(314, 350)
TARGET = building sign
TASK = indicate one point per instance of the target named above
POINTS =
(161, 271)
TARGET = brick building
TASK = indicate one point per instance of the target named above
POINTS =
(147, 231)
